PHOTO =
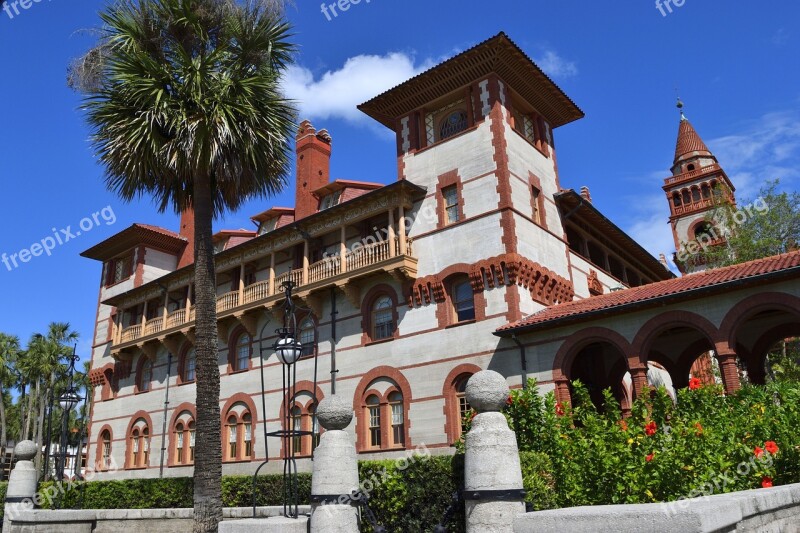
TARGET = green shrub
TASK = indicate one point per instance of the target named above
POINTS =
(3, 487)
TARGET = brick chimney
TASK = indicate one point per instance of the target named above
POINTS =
(313, 168)
(187, 230)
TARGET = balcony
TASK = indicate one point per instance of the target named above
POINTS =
(382, 256)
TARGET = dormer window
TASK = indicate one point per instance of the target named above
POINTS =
(220, 246)
(267, 226)
(330, 200)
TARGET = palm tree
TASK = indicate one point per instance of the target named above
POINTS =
(184, 100)
(9, 351)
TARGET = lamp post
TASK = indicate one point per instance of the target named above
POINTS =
(68, 400)
(289, 350)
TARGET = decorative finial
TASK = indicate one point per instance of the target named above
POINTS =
(680, 108)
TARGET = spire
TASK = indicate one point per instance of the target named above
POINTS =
(689, 142)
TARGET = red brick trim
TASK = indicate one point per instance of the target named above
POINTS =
(643, 342)
(452, 425)
(247, 400)
(751, 305)
(562, 364)
(140, 255)
(139, 415)
(448, 179)
(99, 465)
(359, 406)
(233, 340)
(367, 302)
(173, 440)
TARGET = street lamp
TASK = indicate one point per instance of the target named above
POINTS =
(289, 349)
(68, 400)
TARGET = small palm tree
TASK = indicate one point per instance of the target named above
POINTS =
(184, 100)
(9, 351)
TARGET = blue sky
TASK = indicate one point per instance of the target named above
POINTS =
(735, 64)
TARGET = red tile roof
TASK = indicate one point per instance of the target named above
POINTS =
(689, 141)
(655, 293)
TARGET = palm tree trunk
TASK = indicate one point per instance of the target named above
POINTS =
(40, 427)
(28, 415)
(208, 452)
(2, 429)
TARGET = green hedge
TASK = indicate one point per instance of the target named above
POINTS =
(3, 487)
(167, 493)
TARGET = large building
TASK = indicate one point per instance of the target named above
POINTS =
(476, 257)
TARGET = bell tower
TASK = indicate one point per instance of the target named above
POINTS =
(697, 184)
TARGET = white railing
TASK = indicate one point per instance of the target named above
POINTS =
(327, 268)
(256, 291)
(295, 276)
(154, 325)
(131, 333)
(227, 301)
(368, 255)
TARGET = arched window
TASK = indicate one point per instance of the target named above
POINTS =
(695, 194)
(145, 376)
(241, 359)
(463, 299)
(297, 425)
(374, 417)
(383, 326)
(463, 404)
(308, 337)
(189, 366)
(238, 434)
(676, 200)
(453, 124)
(687, 198)
(139, 445)
(105, 450)
(398, 419)
(183, 453)
(233, 437)
(704, 231)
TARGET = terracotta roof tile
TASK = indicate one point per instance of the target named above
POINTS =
(655, 291)
(688, 141)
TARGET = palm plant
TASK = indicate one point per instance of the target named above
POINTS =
(9, 351)
(184, 100)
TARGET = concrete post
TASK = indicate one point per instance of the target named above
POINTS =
(335, 472)
(492, 472)
(21, 483)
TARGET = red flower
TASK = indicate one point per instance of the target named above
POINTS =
(650, 429)
(623, 425)
(649, 457)
(510, 400)
(771, 447)
(766, 482)
(699, 428)
(695, 383)
(559, 410)
(758, 452)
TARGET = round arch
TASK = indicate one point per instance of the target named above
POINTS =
(753, 305)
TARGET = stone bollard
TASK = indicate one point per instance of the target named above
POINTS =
(22, 482)
(492, 473)
(335, 474)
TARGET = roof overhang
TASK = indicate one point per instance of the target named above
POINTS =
(272, 213)
(498, 55)
(136, 235)
(339, 185)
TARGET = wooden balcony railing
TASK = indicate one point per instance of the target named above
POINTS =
(328, 268)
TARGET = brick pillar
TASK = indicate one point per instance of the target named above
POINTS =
(562, 393)
(729, 371)
(640, 384)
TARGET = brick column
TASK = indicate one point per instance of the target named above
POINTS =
(729, 370)
(640, 383)
(562, 392)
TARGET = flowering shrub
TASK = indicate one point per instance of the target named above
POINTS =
(706, 443)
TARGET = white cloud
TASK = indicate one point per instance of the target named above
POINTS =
(336, 93)
(556, 66)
